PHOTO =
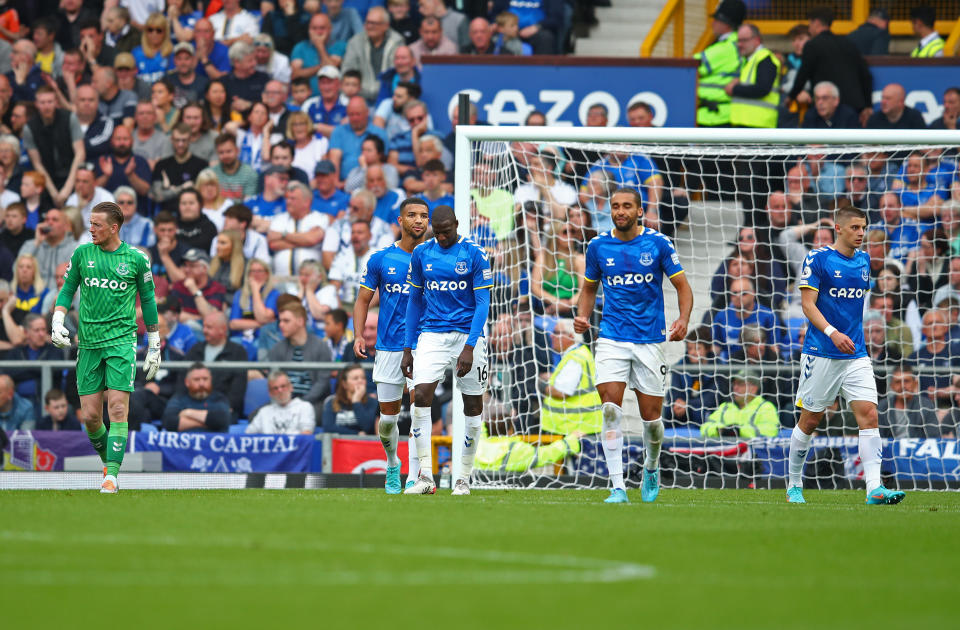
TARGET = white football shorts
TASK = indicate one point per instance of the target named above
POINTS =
(821, 379)
(388, 376)
(438, 351)
(640, 365)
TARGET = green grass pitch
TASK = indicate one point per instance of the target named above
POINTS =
(496, 559)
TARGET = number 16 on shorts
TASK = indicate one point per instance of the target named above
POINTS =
(437, 352)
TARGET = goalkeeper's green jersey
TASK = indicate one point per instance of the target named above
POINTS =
(109, 283)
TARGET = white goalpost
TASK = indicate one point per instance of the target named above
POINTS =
(741, 205)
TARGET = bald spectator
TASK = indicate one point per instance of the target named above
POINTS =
(97, 129)
(404, 71)
(213, 57)
(16, 412)
(432, 41)
(217, 347)
(894, 112)
(148, 141)
(828, 112)
(54, 141)
(481, 38)
(116, 104)
(346, 140)
(320, 50)
(52, 245)
(25, 75)
(122, 168)
(371, 52)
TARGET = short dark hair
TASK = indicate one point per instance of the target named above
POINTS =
(925, 15)
(166, 83)
(280, 145)
(181, 128)
(18, 207)
(798, 30)
(112, 210)
(412, 201)
(413, 89)
(354, 74)
(240, 212)
(46, 23)
(197, 365)
(164, 216)
(954, 89)
(301, 81)
(224, 138)
(434, 166)
(339, 316)
(638, 199)
(849, 212)
(52, 395)
(190, 191)
(641, 105)
(86, 23)
(700, 334)
(821, 14)
(377, 143)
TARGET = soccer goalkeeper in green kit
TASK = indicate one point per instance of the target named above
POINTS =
(109, 274)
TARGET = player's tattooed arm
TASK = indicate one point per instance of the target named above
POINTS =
(153, 328)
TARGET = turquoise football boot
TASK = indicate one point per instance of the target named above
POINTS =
(650, 485)
(617, 495)
(392, 484)
(795, 495)
(882, 496)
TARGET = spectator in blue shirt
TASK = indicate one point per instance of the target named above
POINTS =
(200, 408)
(743, 309)
(327, 197)
(153, 53)
(346, 21)
(388, 200)
(435, 193)
(213, 57)
(903, 234)
(320, 50)
(16, 413)
(328, 109)
(937, 351)
(271, 201)
(346, 140)
(25, 76)
(403, 146)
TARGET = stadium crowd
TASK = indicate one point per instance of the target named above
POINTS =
(260, 152)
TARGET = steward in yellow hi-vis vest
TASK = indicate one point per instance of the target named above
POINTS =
(570, 398)
(719, 65)
(931, 44)
(756, 94)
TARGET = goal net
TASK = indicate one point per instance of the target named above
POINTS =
(743, 208)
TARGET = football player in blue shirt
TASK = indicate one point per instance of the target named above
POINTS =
(630, 261)
(386, 272)
(833, 285)
(450, 281)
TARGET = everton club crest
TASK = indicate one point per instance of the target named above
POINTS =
(461, 267)
(646, 258)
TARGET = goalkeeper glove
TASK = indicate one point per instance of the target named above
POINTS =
(152, 363)
(59, 334)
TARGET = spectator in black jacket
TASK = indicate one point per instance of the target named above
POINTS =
(59, 417)
(951, 110)
(36, 348)
(828, 111)
(894, 112)
(217, 347)
(828, 57)
(873, 36)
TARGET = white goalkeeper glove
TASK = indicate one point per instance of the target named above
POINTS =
(152, 363)
(59, 334)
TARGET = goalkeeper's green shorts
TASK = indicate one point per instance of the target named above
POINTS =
(106, 368)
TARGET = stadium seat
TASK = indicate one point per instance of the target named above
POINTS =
(238, 428)
(146, 427)
(255, 397)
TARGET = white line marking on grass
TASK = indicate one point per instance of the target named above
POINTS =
(513, 567)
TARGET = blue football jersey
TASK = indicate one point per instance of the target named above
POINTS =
(842, 285)
(449, 278)
(387, 271)
(632, 276)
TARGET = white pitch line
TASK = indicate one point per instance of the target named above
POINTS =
(530, 568)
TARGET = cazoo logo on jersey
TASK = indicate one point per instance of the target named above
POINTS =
(447, 285)
(103, 283)
(627, 279)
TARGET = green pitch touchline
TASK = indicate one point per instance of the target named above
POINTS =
(528, 568)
